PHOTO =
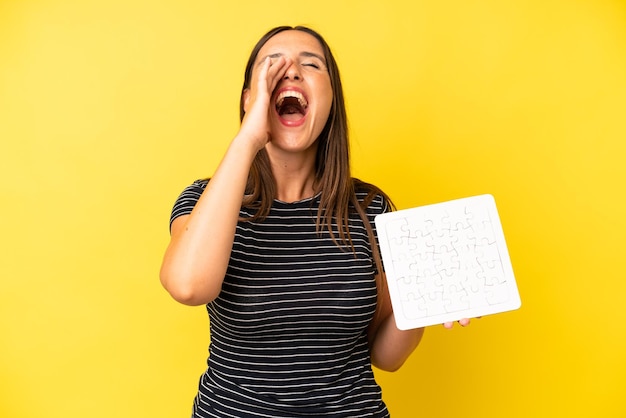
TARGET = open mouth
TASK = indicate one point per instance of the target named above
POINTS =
(291, 105)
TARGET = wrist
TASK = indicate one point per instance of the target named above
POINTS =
(245, 147)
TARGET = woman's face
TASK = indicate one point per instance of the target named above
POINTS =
(300, 104)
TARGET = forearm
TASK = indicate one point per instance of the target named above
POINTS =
(391, 346)
(196, 260)
(197, 257)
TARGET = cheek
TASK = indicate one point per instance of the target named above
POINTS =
(326, 99)
(327, 106)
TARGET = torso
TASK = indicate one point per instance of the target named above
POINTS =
(289, 329)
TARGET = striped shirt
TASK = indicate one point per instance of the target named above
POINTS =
(289, 328)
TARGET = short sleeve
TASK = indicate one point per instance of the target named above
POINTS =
(379, 205)
(187, 200)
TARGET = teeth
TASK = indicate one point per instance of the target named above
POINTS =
(291, 93)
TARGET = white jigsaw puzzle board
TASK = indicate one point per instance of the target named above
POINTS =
(446, 261)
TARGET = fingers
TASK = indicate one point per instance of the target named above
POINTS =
(463, 322)
(271, 72)
(256, 100)
(265, 78)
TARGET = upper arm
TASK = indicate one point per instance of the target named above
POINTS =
(389, 346)
(176, 228)
(383, 307)
(178, 225)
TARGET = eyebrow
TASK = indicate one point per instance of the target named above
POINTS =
(301, 54)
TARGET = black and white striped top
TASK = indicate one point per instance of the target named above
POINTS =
(289, 329)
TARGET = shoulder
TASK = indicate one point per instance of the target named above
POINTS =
(188, 198)
(192, 193)
(372, 198)
(194, 190)
(197, 186)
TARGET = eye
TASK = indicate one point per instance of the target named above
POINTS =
(311, 64)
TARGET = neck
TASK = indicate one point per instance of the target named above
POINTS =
(295, 178)
(294, 194)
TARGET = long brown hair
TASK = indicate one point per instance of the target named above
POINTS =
(332, 165)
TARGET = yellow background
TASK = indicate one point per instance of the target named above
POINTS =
(109, 108)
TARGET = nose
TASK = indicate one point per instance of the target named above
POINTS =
(293, 72)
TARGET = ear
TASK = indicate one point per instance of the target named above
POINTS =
(245, 99)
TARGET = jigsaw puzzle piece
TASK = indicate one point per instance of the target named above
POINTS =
(465, 245)
(496, 286)
(487, 252)
(432, 303)
(475, 288)
(447, 261)
(410, 293)
(422, 248)
(430, 280)
(401, 249)
(412, 307)
(465, 220)
(457, 220)
(421, 227)
(426, 266)
(492, 273)
(440, 237)
(497, 293)
(455, 299)
(431, 290)
(484, 231)
(397, 230)
(445, 222)
(405, 268)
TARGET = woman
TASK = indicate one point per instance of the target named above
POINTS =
(279, 245)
